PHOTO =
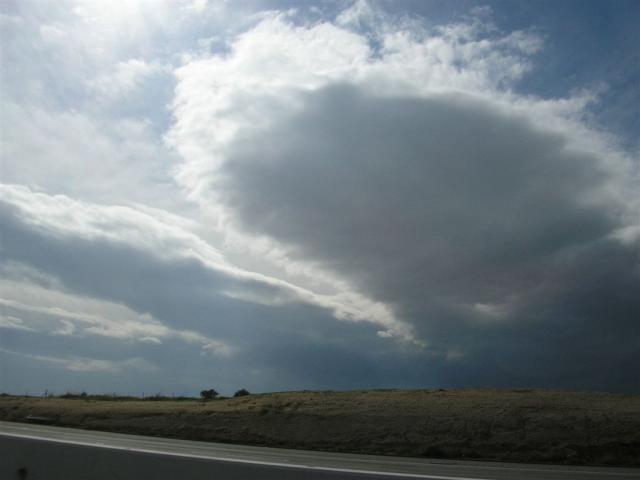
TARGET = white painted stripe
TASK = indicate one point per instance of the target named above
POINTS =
(99, 444)
(240, 460)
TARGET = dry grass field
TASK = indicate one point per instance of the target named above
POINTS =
(506, 425)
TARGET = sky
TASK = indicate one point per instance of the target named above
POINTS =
(279, 195)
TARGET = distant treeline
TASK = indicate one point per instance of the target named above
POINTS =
(124, 398)
(150, 398)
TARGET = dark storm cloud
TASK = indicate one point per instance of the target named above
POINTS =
(491, 235)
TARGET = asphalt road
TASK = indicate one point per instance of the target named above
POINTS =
(30, 452)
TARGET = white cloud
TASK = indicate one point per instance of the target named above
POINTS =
(127, 76)
(159, 236)
(74, 153)
(274, 73)
(84, 364)
(52, 34)
(270, 65)
(13, 323)
(491, 311)
(454, 355)
(57, 313)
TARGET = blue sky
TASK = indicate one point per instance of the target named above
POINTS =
(331, 195)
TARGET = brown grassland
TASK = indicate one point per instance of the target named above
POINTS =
(505, 425)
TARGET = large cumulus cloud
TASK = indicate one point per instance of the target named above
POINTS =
(499, 227)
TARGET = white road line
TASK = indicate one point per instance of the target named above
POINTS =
(238, 460)
(157, 449)
(576, 471)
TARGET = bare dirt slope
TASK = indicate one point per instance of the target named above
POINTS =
(508, 425)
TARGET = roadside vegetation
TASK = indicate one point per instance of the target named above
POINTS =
(507, 425)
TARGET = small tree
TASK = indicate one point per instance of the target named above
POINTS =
(208, 394)
(241, 393)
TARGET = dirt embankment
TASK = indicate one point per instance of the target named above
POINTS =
(506, 425)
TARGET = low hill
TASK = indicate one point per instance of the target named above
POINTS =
(505, 425)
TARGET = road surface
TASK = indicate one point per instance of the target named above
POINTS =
(32, 452)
